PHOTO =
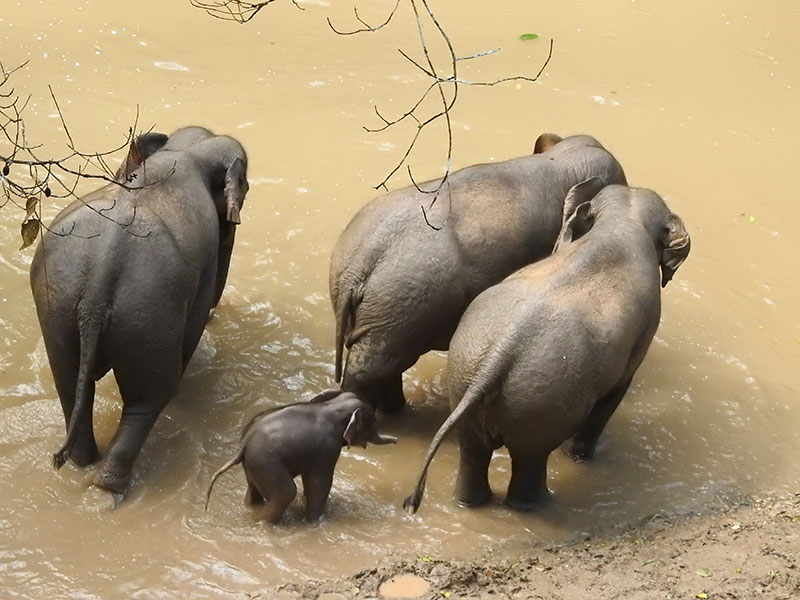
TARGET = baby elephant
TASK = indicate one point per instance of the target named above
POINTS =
(300, 439)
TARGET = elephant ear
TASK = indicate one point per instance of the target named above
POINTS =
(142, 147)
(235, 189)
(578, 214)
(675, 243)
(353, 429)
(545, 141)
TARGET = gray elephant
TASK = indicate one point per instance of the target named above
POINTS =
(300, 439)
(125, 278)
(546, 355)
(399, 286)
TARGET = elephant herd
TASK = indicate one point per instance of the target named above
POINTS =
(540, 276)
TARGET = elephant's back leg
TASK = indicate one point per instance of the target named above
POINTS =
(148, 369)
(581, 446)
(472, 484)
(527, 489)
(374, 371)
(273, 482)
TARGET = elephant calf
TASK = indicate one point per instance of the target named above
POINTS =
(125, 278)
(547, 354)
(300, 439)
(399, 286)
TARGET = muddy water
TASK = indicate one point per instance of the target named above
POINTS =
(697, 101)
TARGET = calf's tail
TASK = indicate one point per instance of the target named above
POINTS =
(234, 461)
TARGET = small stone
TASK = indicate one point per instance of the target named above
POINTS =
(404, 586)
(331, 596)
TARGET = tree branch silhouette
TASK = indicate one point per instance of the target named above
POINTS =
(444, 84)
(27, 177)
(234, 10)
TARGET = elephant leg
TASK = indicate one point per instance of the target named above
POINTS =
(527, 489)
(472, 484)
(253, 497)
(385, 393)
(227, 235)
(117, 464)
(581, 446)
(274, 485)
(147, 382)
(390, 397)
(374, 371)
(317, 483)
(84, 451)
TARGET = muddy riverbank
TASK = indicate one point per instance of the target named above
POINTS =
(750, 549)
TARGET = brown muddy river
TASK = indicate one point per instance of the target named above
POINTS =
(697, 100)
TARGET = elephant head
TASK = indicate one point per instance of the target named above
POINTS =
(224, 158)
(226, 161)
(667, 230)
(362, 429)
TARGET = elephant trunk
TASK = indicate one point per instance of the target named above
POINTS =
(380, 439)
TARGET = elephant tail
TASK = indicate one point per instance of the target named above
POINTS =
(485, 380)
(89, 339)
(345, 321)
(234, 461)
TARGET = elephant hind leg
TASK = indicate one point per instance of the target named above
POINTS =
(472, 484)
(267, 477)
(385, 394)
(527, 489)
(374, 372)
(147, 382)
(253, 497)
(581, 446)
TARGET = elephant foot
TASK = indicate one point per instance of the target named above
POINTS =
(473, 500)
(528, 504)
(114, 482)
(578, 450)
(84, 456)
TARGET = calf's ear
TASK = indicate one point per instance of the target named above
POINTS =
(675, 244)
(353, 428)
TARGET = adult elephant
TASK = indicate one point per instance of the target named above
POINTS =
(546, 355)
(125, 278)
(399, 286)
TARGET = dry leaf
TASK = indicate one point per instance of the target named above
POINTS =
(29, 230)
(30, 206)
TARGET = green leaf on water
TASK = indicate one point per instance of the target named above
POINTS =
(528, 36)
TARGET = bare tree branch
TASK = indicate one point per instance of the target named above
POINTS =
(234, 10)
(443, 75)
(26, 177)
